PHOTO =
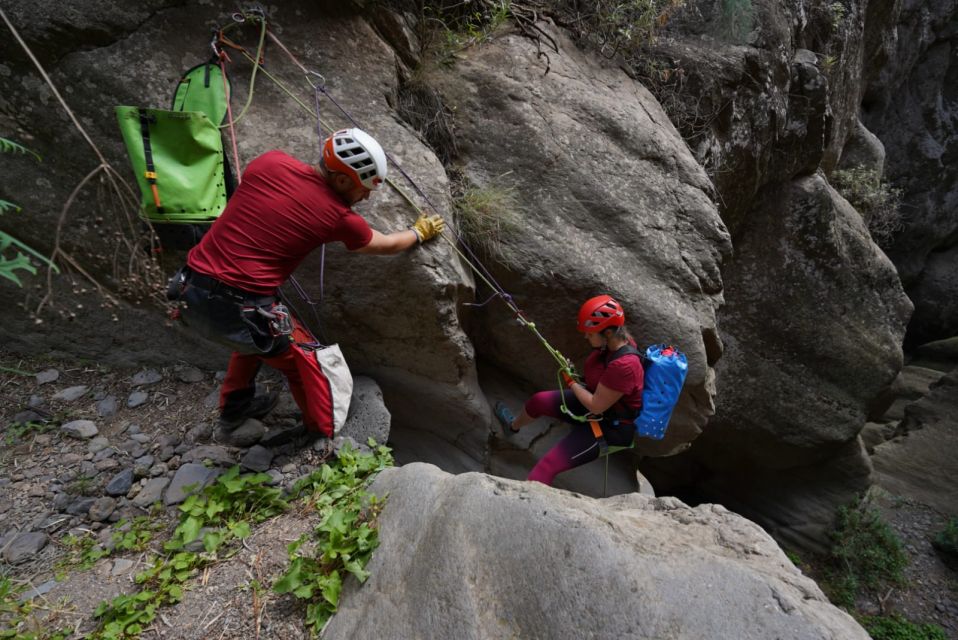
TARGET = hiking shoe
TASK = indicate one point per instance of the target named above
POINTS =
(258, 408)
(505, 418)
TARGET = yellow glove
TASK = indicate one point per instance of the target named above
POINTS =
(428, 227)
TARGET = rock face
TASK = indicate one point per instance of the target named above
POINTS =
(920, 463)
(912, 106)
(624, 567)
(610, 200)
(813, 330)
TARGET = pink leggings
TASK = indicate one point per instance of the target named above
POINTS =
(577, 448)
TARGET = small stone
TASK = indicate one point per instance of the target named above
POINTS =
(121, 566)
(216, 454)
(44, 588)
(146, 377)
(106, 464)
(47, 376)
(25, 546)
(132, 429)
(31, 415)
(151, 492)
(103, 454)
(121, 483)
(137, 398)
(165, 453)
(199, 433)
(101, 509)
(189, 375)
(257, 459)
(35, 401)
(159, 469)
(106, 407)
(142, 438)
(168, 440)
(61, 501)
(247, 434)
(98, 444)
(82, 429)
(275, 477)
(81, 506)
(189, 479)
(71, 393)
(212, 400)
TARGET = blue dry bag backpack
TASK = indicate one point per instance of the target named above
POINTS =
(665, 370)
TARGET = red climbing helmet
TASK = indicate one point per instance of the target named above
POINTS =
(600, 313)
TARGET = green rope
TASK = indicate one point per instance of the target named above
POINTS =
(256, 65)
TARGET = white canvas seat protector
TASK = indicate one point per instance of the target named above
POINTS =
(325, 369)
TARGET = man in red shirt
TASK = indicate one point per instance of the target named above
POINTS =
(281, 211)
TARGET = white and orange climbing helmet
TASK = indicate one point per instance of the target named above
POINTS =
(600, 313)
(356, 154)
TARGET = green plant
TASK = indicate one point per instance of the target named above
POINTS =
(838, 11)
(865, 555)
(344, 540)
(17, 431)
(736, 20)
(876, 201)
(486, 217)
(17, 620)
(946, 542)
(21, 252)
(895, 627)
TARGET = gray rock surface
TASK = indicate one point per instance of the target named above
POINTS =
(47, 376)
(24, 546)
(863, 149)
(921, 464)
(368, 416)
(71, 393)
(257, 459)
(146, 378)
(189, 478)
(655, 240)
(624, 567)
(120, 484)
(151, 492)
(106, 407)
(245, 435)
(81, 429)
(137, 398)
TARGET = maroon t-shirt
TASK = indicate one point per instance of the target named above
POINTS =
(282, 210)
(624, 374)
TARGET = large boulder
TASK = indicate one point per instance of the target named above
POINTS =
(813, 323)
(471, 556)
(609, 199)
(935, 294)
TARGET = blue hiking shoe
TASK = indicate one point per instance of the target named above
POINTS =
(505, 418)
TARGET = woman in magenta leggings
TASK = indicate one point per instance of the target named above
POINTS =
(612, 389)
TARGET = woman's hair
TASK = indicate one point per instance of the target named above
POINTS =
(617, 332)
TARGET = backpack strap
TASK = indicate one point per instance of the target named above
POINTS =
(625, 350)
(150, 173)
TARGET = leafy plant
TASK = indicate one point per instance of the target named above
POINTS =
(345, 538)
(946, 542)
(17, 620)
(895, 627)
(21, 252)
(17, 431)
(865, 556)
(838, 12)
(876, 201)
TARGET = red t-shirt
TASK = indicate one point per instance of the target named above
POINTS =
(281, 211)
(624, 374)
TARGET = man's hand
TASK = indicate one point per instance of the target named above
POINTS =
(428, 227)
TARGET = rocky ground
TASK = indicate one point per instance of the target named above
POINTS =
(86, 450)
